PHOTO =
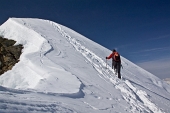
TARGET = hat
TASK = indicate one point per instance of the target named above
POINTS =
(114, 50)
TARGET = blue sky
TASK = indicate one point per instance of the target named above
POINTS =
(138, 29)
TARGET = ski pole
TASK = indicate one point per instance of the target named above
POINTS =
(122, 66)
(106, 63)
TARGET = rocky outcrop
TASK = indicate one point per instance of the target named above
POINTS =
(9, 54)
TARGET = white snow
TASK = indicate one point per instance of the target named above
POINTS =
(167, 80)
(61, 71)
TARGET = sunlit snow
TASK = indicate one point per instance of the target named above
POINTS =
(61, 71)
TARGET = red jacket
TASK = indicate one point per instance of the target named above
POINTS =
(112, 56)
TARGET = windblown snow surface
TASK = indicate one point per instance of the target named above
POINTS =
(61, 71)
(167, 80)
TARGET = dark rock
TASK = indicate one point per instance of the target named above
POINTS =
(9, 54)
(7, 43)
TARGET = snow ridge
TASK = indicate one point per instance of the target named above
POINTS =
(33, 59)
(72, 76)
(130, 93)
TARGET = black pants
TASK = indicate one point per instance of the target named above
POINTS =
(117, 67)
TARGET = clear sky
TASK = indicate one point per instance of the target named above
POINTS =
(138, 29)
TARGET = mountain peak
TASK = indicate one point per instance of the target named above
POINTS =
(61, 65)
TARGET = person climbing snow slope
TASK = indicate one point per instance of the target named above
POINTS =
(116, 62)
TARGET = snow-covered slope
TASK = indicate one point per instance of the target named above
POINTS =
(167, 80)
(63, 71)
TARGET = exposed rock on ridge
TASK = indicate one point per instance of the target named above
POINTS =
(9, 54)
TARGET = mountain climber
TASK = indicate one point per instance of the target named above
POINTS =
(116, 62)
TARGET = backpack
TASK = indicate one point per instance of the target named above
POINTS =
(116, 56)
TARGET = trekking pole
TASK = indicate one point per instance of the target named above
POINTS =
(106, 63)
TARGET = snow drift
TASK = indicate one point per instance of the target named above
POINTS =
(63, 71)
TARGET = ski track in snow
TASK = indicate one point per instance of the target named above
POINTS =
(137, 99)
(129, 92)
(32, 106)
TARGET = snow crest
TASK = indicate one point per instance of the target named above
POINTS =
(35, 70)
(63, 71)
(131, 93)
